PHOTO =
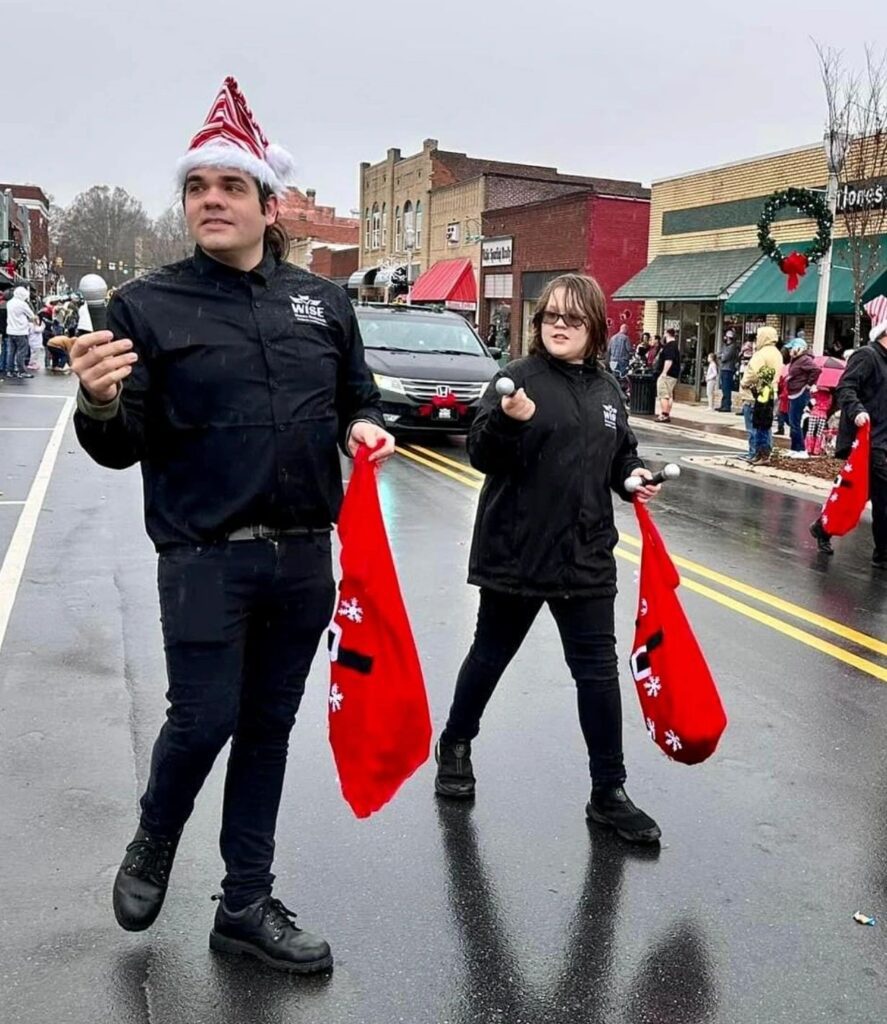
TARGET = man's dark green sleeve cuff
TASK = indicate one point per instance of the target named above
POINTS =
(94, 411)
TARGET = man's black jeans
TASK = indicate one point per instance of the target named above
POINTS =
(241, 624)
(587, 633)
(878, 492)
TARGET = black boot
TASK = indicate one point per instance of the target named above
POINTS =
(455, 776)
(265, 930)
(141, 882)
(612, 807)
(823, 540)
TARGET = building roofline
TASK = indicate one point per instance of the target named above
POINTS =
(569, 197)
(737, 163)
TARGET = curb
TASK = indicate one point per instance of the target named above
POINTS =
(760, 474)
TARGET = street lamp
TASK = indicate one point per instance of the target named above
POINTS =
(835, 144)
(409, 242)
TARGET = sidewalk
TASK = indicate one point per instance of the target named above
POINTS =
(728, 430)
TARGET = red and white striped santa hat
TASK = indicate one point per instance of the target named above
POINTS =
(231, 137)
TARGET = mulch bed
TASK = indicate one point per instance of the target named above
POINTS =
(819, 466)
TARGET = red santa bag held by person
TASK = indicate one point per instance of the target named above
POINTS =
(844, 505)
(679, 699)
(379, 722)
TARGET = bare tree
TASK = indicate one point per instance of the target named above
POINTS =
(857, 117)
(103, 224)
(169, 240)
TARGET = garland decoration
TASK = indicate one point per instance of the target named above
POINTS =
(811, 204)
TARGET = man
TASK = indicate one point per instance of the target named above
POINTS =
(619, 352)
(727, 360)
(20, 317)
(230, 377)
(669, 368)
(862, 397)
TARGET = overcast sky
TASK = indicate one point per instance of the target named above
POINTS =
(111, 92)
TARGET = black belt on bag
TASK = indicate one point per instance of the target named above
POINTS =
(274, 534)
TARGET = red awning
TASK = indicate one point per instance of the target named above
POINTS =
(446, 281)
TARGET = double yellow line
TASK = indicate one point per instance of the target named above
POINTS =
(470, 477)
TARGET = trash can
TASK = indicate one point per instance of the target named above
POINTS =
(643, 394)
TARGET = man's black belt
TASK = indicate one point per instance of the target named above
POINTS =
(273, 533)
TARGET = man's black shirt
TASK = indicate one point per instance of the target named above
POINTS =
(244, 384)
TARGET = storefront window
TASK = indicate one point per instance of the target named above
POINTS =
(696, 325)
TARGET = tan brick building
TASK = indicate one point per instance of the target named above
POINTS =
(706, 273)
(435, 199)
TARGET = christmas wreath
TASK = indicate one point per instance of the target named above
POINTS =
(813, 205)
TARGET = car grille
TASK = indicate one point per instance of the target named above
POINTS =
(424, 390)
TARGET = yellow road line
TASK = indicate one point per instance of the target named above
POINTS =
(475, 484)
(797, 611)
(824, 646)
(429, 454)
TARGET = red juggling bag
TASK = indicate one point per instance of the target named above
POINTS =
(679, 699)
(379, 722)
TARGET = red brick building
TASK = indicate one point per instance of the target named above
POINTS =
(26, 222)
(524, 247)
(336, 263)
(303, 218)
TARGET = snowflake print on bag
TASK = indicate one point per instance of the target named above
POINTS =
(336, 698)
(351, 610)
(673, 740)
(651, 729)
(653, 686)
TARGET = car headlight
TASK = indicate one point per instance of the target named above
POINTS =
(389, 383)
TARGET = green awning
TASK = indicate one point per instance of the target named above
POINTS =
(691, 275)
(765, 290)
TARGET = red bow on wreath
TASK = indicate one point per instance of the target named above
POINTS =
(794, 266)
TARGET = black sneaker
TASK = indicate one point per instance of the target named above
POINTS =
(141, 883)
(265, 930)
(613, 807)
(455, 776)
(879, 559)
(823, 540)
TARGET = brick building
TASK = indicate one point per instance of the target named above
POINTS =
(524, 247)
(24, 229)
(304, 219)
(425, 210)
(706, 272)
(327, 259)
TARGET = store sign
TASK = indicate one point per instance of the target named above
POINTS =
(496, 252)
(871, 196)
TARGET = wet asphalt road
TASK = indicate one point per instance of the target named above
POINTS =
(512, 910)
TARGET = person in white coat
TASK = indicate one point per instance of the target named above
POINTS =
(20, 318)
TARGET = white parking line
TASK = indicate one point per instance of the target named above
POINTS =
(30, 394)
(26, 428)
(17, 554)
(11, 503)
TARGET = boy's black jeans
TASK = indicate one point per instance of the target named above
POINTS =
(586, 628)
(241, 624)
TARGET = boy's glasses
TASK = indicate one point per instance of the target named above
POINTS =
(551, 317)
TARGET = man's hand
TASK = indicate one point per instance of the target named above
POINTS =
(370, 434)
(101, 363)
(862, 419)
(518, 406)
(648, 492)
